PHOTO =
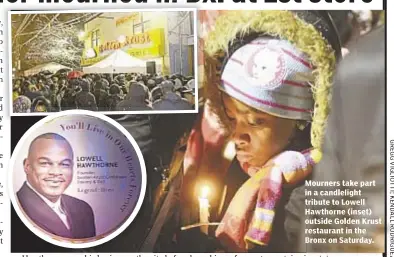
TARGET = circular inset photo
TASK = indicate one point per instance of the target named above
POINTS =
(77, 179)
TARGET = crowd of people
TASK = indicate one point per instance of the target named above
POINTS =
(47, 92)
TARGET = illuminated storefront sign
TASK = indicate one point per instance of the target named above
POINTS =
(150, 44)
(132, 17)
(139, 39)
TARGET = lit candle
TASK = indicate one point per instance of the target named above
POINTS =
(204, 209)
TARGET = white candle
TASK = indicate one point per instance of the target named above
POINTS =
(204, 209)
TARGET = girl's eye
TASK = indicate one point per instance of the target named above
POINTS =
(256, 122)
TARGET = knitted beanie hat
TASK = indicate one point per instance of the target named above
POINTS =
(272, 76)
(279, 62)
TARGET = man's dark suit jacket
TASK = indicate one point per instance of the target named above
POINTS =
(79, 213)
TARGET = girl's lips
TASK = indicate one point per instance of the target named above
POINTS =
(243, 157)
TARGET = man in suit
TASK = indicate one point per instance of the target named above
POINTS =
(49, 172)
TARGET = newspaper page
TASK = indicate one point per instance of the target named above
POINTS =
(188, 128)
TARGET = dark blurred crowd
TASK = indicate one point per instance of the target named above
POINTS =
(46, 92)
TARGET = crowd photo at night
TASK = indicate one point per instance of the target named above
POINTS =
(108, 62)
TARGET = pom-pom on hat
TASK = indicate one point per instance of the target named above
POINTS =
(279, 62)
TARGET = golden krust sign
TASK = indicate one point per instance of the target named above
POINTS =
(149, 44)
(138, 39)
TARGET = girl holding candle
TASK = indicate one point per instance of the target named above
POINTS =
(268, 76)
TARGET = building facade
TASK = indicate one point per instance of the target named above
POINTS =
(181, 42)
(162, 39)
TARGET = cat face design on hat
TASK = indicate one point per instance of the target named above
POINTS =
(266, 67)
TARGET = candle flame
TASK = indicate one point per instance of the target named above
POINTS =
(205, 190)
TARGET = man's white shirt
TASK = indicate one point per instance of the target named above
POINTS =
(56, 207)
